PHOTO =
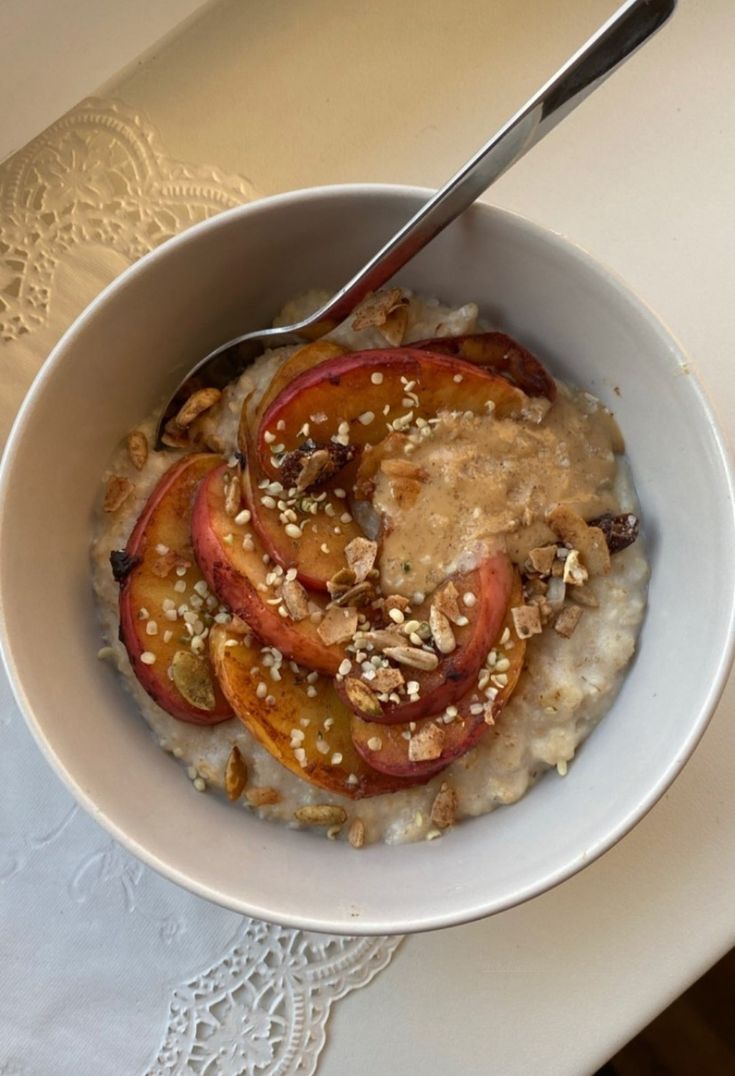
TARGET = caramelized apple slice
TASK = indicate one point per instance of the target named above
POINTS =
(500, 354)
(162, 585)
(231, 559)
(306, 530)
(356, 399)
(301, 722)
(304, 358)
(398, 749)
(452, 659)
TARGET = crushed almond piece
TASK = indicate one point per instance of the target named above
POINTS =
(542, 559)
(361, 554)
(526, 621)
(236, 774)
(321, 814)
(375, 308)
(412, 656)
(446, 601)
(574, 571)
(444, 807)
(338, 625)
(198, 402)
(567, 620)
(589, 542)
(117, 491)
(426, 744)
(356, 833)
(262, 797)
(137, 446)
(295, 599)
(361, 697)
(387, 680)
(441, 631)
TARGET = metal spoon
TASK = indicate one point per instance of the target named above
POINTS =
(617, 39)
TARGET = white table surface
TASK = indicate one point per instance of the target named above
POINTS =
(314, 91)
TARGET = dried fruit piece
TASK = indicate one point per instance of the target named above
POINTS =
(191, 677)
(236, 774)
(122, 564)
(620, 531)
(137, 446)
(444, 807)
(199, 402)
(117, 491)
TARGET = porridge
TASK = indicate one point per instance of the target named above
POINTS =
(382, 581)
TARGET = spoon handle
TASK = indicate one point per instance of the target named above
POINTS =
(617, 39)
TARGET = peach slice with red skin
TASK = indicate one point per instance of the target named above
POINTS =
(490, 583)
(237, 575)
(309, 734)
(165, 525)
(386, 747)
(358, 395)
(500, 354)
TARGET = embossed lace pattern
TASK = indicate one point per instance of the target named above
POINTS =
(211, 993)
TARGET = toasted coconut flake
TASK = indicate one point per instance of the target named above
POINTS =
(262, 797)
(380, 639)
(444, 807)
(394, 327)
(321, 814)
(441, 631)
(375, 308)
(295, 599)
(446, 601)
(426, 744)
(199, 402)
(360, 594)
(191, 677)
(567, 620)
(236, 774)
(361, 698)
(117, 491)
(341, 582)
(361, 554)
(338, 625)
(387, 680)
(574, 571)
(527, 621)
(137, 446)
(356, 833)
(542, 559)
(577, 534)
(412, 656)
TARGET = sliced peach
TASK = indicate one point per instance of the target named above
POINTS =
(490, 584)
(387, 747)
(231, 559)
(360, 397)
(158, 575)
(303, 725)
(307, 531)
(500, 354)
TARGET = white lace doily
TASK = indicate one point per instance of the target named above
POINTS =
(106, 966)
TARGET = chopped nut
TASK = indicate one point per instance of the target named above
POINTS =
(526, 621)
(337, 625)
(403, 468)
(191, 677)
(361, 698)
(444, 807)
(360, 594)
(574, 571)
(137, 445)
(412, 656)
(375, 308)
(198, 402)
(233, 496)
(321, 814)
(117, 492)
(620, 531)
(361, 554)
(312, 469)
(386, 680)
(426, 744)
(236, 774)
(441, 631)
(356, 833)
(542, 559)
(262, 797)
(446, 601)
(295, 599)
(588, 541)
(567, 620)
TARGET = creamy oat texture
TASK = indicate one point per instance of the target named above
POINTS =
(476, 493)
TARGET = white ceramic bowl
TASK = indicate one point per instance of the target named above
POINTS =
(123, 355)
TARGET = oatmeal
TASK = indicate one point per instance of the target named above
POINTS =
(419, 592)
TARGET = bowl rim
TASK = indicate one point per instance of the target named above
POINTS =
(464, 914)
